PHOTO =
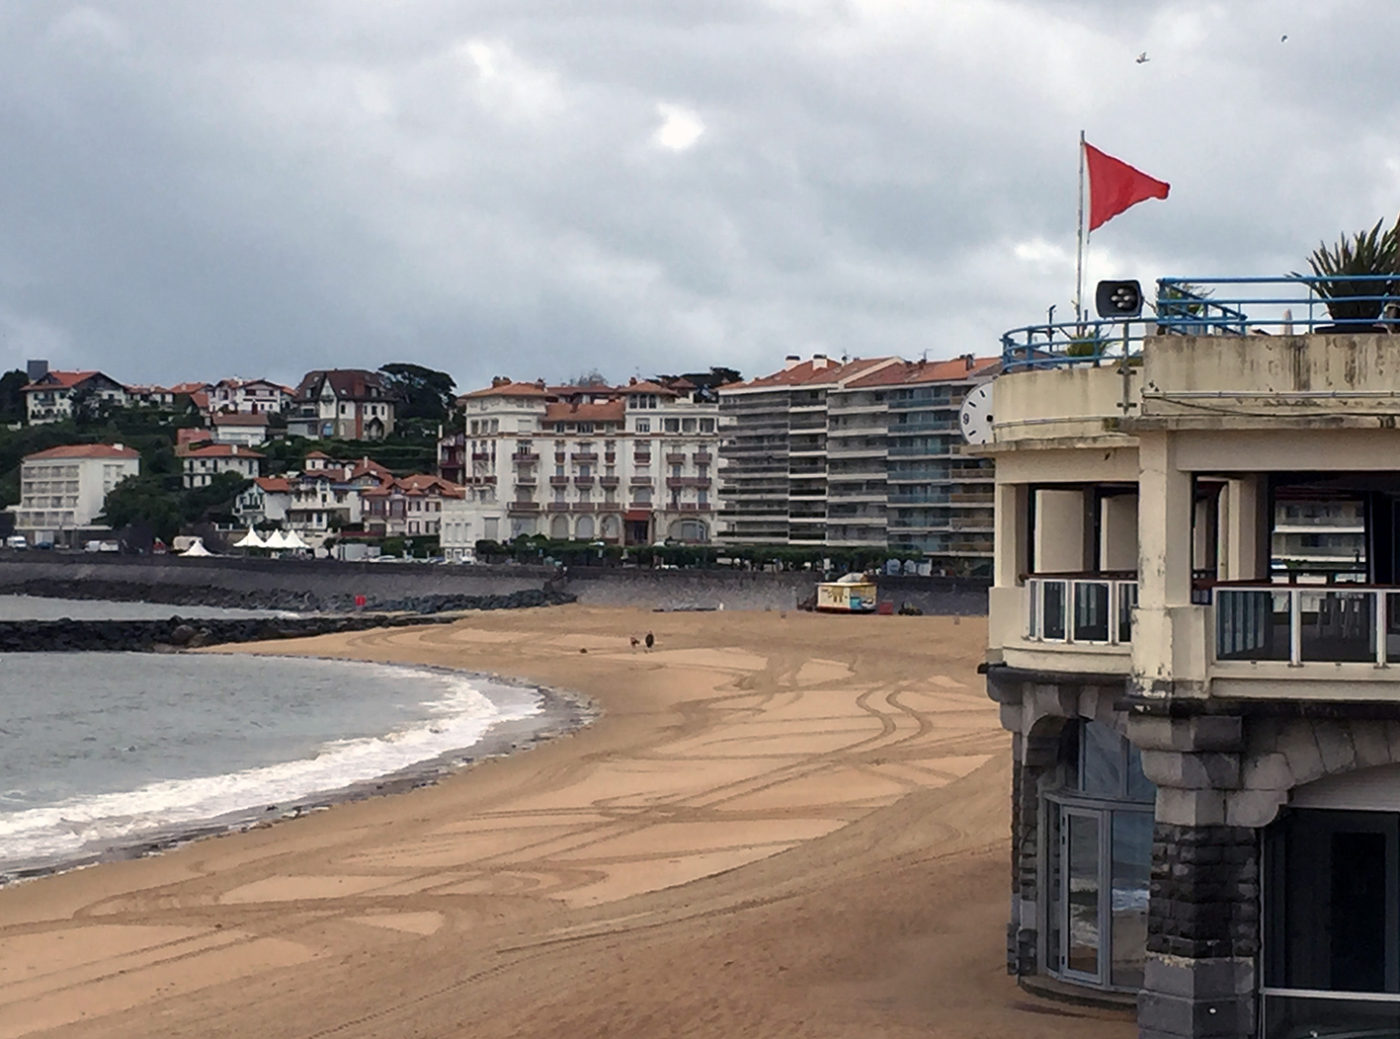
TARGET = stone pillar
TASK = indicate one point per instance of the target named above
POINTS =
(1202, 934)
(1203, 917)
(1167, 654)
(1246, 530)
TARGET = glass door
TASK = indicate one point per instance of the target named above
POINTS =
(1081, 836)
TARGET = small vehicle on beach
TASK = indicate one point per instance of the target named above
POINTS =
(850, 593)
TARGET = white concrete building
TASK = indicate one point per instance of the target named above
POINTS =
(202, 464)
(631, 464)
(49, 398)
(1204, 726)
(858, 454)
(246, 429)
(62, 490)
(250, 396)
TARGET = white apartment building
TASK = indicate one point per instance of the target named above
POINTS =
(632, 464)
(202, 464)
(62, 490)
(247, 429)
(857, 454)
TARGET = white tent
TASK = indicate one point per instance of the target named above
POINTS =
(275, 540)
(250, 540)
(196, 549)
(293, 540)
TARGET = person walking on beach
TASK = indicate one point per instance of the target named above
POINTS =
(650, 641)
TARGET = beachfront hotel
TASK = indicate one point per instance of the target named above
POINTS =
(1194, 636)
(861, 453)
(626, 465)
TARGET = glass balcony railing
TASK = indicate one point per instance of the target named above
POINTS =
(1080, 609)
(1303, 625)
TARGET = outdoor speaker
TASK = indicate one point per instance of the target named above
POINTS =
(1118, 299)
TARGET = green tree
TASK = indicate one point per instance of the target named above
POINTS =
(214, 501)
(143, 501)
(423, 393)
(12, 406)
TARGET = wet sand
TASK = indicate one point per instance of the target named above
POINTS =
(781, 826)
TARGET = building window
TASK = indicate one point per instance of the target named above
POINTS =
(671, 425)
(1098, 854)
(643, 425)
(707, 425)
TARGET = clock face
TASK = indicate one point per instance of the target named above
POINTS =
(976, 415)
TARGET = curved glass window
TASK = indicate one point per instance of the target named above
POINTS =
(1098, 859)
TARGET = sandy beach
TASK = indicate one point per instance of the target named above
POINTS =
(782, 825)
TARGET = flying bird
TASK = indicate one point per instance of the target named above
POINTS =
(1143, 59)
(1283, 38)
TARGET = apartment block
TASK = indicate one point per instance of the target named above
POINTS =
(63, 489)
(858, 454)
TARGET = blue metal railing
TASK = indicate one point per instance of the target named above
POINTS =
(1290, 305)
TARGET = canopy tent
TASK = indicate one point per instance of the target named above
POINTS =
(196, 549)
(276, 540)
(293, 540)
(250, 540)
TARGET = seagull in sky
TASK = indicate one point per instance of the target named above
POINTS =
(1143, 59)
(1283, 38)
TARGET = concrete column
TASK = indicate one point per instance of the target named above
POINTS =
(1012, 523)
(1164, 525)
(1248, 550)
(1118, 533)
(1059, 531)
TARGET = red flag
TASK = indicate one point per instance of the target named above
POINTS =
(1114, 186)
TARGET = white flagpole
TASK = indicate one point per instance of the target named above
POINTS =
(1079, 243)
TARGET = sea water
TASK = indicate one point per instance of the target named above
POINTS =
(100, 751)
(41, 608)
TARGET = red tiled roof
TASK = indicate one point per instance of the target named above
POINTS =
(607, 411)
(222, 451)
(59, 380)
(648, 386)
(346, 383)
(509, 389)
(86, 451)
(809, 373)
(200, 399)
(275, 484)
(189, 387)
(318, 454)
(239, 418)
(915, 372)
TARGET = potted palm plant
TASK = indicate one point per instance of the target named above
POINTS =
(1356, 272)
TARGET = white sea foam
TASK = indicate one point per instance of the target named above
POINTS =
(83, 826)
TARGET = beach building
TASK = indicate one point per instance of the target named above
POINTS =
(347, 403)
(857, 454)
(49, 395)
(202, 464)
(628, 465)
(407, 506)
(62, 491)
(1204, 711)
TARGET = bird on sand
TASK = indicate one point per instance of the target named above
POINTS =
(650, 640)
(636, 642)
(1143, 59)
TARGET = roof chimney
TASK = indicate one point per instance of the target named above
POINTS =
(790, 362)
(819, 361)
(968, 360)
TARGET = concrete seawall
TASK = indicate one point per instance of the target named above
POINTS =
(378, 582)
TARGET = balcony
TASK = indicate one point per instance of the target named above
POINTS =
(1301, 624)
(702, 458)
(523, 506)
(675, 458)
(557, 506)
(1097, 610)
(559, 481)
(609, 481)
(687, 481)
(640, 481)
(482, 456)
(585, 458)
(639, 506)
(524, 458)
(583, 481)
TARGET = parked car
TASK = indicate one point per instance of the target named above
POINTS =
(16, 541)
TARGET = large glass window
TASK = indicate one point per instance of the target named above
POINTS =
(1098, 860)
(1332, 924)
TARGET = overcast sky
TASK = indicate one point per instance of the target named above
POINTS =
(535, 188)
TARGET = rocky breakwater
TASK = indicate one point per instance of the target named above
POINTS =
(28, 636)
